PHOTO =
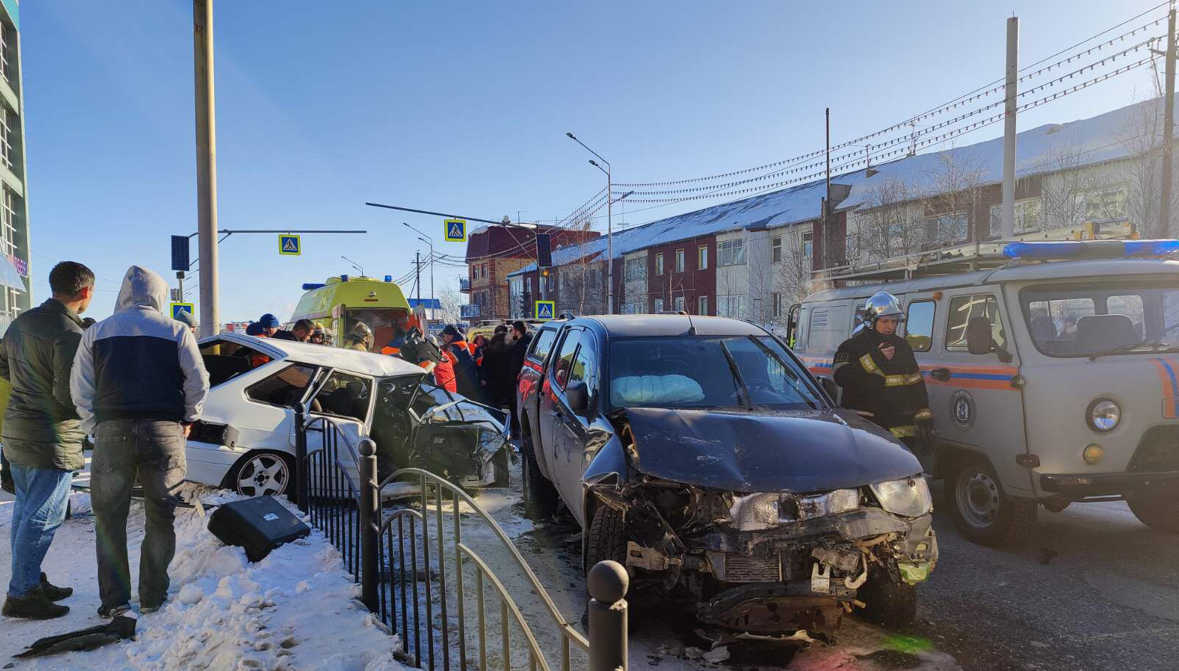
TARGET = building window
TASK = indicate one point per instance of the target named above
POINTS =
(730, 253)
(636, 269)
(484, 271)
(1027, 218)
(808, 245)
(730, 306)
(702, 306)
(658, 305)
(702, 258)
(944, 228)
(8, 223)
(7, 121)
(1105, 206)
(679, 303)
(679, 260)
(5, 52)
(658, 264)
(776, 249)
(776, 302)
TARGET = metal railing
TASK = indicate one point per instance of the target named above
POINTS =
(421, 580)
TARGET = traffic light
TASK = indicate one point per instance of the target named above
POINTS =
(544, 250)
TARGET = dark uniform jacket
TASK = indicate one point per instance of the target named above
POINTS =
(892, 391)
(41, 427)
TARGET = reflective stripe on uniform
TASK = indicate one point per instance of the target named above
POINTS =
(906, 431)
(924, 413)
(868, 364)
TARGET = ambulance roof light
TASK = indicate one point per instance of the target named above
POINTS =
(343, 278)
(1091, 249)
(308, 286)
(389, 278)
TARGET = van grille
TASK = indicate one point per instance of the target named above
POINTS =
(739, 568)
(1158, 451)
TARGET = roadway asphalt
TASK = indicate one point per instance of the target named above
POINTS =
(1092, 588)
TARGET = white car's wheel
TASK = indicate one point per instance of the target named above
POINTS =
(263, 474)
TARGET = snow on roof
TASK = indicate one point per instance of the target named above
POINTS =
(1047, 148)
(1087, 141)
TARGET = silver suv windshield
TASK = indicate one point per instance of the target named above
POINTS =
(1109, 318)
(701, 372)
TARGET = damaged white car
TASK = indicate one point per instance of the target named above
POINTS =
(245, 439)
(699, 453)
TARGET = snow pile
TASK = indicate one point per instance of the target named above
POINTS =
(292, 610)
(296, 609)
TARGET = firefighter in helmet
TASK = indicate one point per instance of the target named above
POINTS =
(880, 377)
(360, 338)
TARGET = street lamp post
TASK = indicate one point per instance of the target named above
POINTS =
(609, 223)
(424, 238)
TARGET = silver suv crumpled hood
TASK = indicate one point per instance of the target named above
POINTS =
(805, 451)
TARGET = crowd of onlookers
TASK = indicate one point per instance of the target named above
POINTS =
(132, 385)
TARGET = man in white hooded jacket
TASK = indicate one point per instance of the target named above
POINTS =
(138, 382)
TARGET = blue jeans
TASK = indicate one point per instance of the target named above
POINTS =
(41, 498)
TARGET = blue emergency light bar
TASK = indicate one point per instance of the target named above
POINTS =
(388, 278)
(1091, 249)
(308, 286)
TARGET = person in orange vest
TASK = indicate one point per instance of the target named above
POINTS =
(466, 372)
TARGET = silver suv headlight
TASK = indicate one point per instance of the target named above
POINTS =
(908, 497)
(1104, 415)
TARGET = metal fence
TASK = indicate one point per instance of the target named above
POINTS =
(425, 583)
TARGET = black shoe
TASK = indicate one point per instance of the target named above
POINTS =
(114, 611)
(33, 606)
(53, 592)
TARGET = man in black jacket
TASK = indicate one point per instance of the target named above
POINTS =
(522, 339)
(42, 436)
(880, 376)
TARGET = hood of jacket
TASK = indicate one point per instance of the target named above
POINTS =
(142, 289)
(805, 451)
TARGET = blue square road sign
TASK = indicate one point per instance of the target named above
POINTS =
(289, 245)
(545, 309)
(455, 230)
(176, 309)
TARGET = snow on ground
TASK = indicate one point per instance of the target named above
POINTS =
(293, 610)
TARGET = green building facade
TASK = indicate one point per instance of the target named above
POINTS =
(15, 294)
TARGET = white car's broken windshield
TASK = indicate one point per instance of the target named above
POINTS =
(703, 372)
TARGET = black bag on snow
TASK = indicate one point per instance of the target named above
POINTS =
(259, 525)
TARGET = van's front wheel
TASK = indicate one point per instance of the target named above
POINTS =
(981, 510)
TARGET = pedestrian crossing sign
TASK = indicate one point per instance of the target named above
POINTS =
(177, 308)
(455, 230)
(545, 309)
(288, 245)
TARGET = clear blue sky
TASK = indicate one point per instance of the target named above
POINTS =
(464, 106)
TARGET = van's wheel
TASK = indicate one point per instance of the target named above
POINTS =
(888, 600)
(503, 478)
(540, 496)
(981, 510)
(263, 474)
(606, 538)
(1156, 512)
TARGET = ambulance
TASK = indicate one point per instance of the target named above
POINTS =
(1052, 369)
(341, 301)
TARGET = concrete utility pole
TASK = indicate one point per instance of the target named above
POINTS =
(206, 151)
(1168, 130)
(828, 253)
(1008, 229)
(417, 264)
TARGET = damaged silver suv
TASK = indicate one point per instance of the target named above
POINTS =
(699, 453)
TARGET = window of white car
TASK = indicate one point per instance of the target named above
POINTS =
(344, 395)
(284, 388)
(226, 360)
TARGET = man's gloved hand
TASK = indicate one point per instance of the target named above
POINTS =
(925, 431)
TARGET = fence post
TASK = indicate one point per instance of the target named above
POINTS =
(607, 583)
(301, 485)
(370, 512)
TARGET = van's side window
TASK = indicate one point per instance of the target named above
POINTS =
(965, 308)
(919, 325)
